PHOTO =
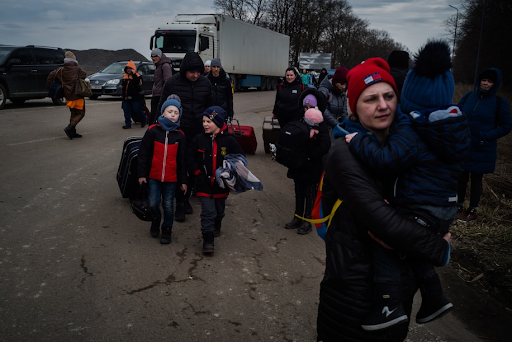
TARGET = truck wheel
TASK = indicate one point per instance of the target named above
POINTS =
(269, 83)
(3, 97)
(274, 83)
(60, 102)
(263, 86)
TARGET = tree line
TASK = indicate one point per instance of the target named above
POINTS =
(328, 26)
(490, 19)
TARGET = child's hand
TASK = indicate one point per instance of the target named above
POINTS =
(142, 180)
(183, 187)
(349, 137)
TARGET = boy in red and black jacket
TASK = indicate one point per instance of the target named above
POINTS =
(205, 155)
(161, 163)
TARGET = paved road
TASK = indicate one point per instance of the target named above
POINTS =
(76, 265)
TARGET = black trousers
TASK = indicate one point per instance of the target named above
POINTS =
(305, 193)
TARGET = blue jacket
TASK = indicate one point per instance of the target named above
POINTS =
(427, 156)
(480, 108)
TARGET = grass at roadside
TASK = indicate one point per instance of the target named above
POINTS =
(482, 249)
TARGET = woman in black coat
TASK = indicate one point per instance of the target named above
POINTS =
(347, 289)
(286, 106)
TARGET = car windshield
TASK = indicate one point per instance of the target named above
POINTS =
(114, 68)
(4, 51)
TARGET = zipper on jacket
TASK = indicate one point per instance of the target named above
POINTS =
(214, 159)
(165, 154)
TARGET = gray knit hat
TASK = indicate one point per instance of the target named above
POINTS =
(157, 52)
(216, 63)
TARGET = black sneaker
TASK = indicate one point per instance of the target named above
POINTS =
(295, 223)
(188, 208)
(69, 131)
(433, 303)
(166, 236)
(305, 228)
(383, 317)
(179, 214)
(76, 135)
(127, 127)
(208, 243)
(155, 229)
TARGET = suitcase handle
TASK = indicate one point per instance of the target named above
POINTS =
(236, 132)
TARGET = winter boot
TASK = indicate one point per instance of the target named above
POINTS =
(295, 223)
(388, 310)
(166, 236)
(305, 228)
(470, 215)
(216, 230)
(188, 208)
(70, 130)
(179, 214)
(208, 245)
(155, 229)
(433, 303)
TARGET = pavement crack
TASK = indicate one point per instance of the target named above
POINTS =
(85, 269)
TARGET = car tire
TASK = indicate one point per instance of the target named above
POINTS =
(94, 97)
(3, 97)
(60, 101)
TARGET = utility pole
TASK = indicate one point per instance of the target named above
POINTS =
(479, 45)
(455, 35)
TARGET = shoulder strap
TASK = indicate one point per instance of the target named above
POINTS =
(497, 113)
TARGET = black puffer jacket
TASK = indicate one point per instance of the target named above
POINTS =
(195, 96)
(286, 106)
(222, 92)
(346, 291)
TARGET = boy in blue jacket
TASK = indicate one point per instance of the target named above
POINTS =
(426, 149)
(205, 155)
(161, 164)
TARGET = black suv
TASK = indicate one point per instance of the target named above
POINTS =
(109, 80)
(24, 70)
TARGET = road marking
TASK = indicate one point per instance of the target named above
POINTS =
(39, 140)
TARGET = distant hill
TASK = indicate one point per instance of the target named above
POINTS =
(94, 60)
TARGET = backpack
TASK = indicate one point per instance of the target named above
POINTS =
(289, 146)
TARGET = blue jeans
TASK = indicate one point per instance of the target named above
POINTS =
(212, 211)
(162, 191)
(387, 262)
(134, 108)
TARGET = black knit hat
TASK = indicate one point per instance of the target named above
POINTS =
(490, 75)
(216, 114)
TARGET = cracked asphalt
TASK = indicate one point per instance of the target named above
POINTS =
(77, 265)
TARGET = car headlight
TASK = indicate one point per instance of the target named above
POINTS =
(114, 81)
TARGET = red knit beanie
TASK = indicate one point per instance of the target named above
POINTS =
(371, 71)
(340, 76)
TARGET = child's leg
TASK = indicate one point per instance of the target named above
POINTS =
(388, 310)
(168, 190)
(299, 205)
(220, 207)
(309, 200)
(154, 196)
(208, 215)
(433, 303)
(127, 109)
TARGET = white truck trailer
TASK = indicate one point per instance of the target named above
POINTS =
(253, 56)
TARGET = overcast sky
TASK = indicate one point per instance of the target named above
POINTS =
(115, 24)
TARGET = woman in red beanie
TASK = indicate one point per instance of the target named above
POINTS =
(347, 290)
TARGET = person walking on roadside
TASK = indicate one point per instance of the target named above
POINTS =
(489, 119)
(69, 74)
(195, 92)
(334, 90)
(286, 106)
(398, 67)
(221, 87)
(162, 73)
(132, 96)
(207, 67)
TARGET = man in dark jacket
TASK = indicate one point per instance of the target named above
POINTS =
(221, 87)
(162, 73)
(195, 92)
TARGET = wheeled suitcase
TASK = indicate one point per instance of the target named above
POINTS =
(127, 173)
(271, 131)
(244, 135)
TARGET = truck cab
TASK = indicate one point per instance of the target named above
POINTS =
(197, 33)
